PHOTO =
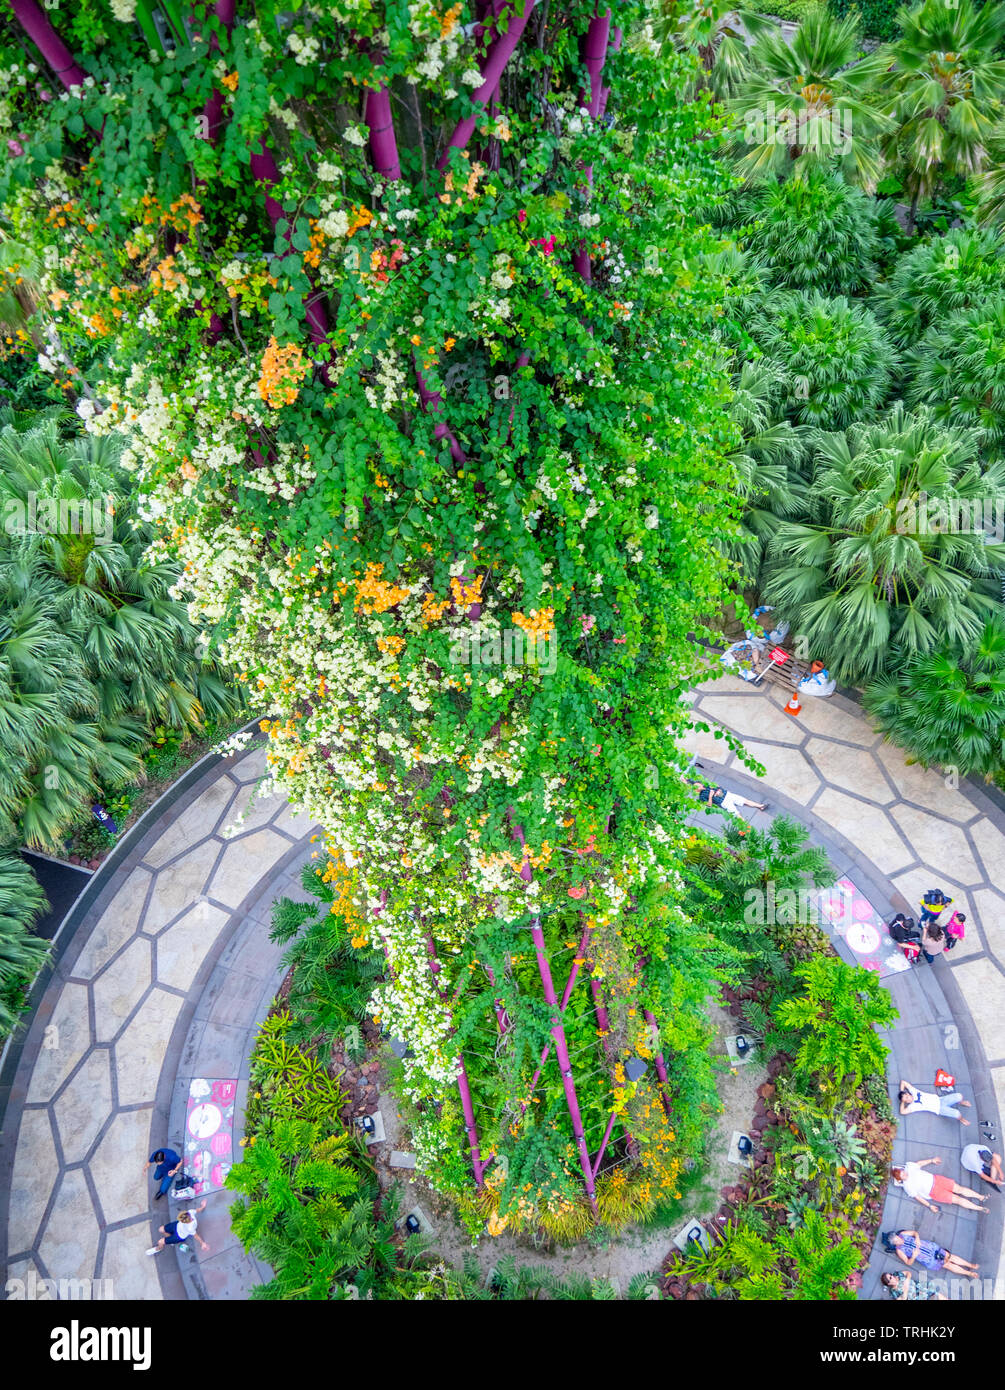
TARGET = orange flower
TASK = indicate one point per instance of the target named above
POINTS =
(231, 81)
(283, 368)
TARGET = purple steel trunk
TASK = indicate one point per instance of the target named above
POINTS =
(383, 143)
(660, 1065)
(36, 25)
(594, 56)
(492, 70)
(558, 1033)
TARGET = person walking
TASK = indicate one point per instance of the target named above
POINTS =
(177, 1232)
(955, 930)
(168, 1164)
(910, 1249)
(913, 1102)
(978, 1158)
(933, 904)
(905, 1288)
(932, 1188)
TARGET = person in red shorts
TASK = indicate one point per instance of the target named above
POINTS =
(931, 1188)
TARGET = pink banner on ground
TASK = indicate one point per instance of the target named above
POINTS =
(209, 1133)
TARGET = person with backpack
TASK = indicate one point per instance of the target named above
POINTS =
(913, 1102)
(168, 1164)
(933, 904)
(955, 930)
(979, 1159)
(910, 1249)
(905, 932)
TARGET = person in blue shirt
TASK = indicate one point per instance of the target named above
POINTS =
(168, 1163)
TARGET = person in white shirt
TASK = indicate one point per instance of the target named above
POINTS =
(912, 1101)
(177, 1232)
(931, 1188)
(979, 1159)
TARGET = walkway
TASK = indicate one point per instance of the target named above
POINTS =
(130, 1010)
(893, 830)
(171, 969)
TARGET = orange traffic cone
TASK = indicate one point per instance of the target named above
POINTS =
(793, 707)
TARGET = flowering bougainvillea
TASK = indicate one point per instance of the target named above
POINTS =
(408, 321)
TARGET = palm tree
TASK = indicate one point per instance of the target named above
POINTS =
(141, 651)
(816, 233)
(937, 279)
(873, 576)
(766, 465)
(947, 708)
(959, 368)
(810, 102)
(990, 185)
(716, 31)
(21, 954)
(834, 357)
(946, 88)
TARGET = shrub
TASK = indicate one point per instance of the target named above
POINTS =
(21, 954)
(835, 357)
(959, 370)
(866, 577)
(937, 279)
(816, 233)
(948, 708)
(878, 17)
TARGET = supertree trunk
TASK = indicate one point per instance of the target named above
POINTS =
(454, 542)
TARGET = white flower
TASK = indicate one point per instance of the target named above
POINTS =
(472, 78)
(354, 136)
(328, 172)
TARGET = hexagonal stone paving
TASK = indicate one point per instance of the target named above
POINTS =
(181, 949)
(69, 1247)
(35, 1171)
(117, 1166)
(244, 862)
(67, 1039)
(118, 922)
(937, 842)
(119, 988)
(83, 1106)
(140, 1050)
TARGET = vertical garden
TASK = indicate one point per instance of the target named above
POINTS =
(408, 324)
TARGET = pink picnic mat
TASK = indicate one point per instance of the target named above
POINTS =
(209, 1133)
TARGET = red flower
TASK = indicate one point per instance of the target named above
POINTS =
(521, 216)
(577, 892)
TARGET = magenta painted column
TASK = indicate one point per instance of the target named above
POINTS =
(594, 57)
(377, 116)
(36, 25)
(558, 1033)
(498, 56)
(266, 174)
(478, 1165)
(660, 1065)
